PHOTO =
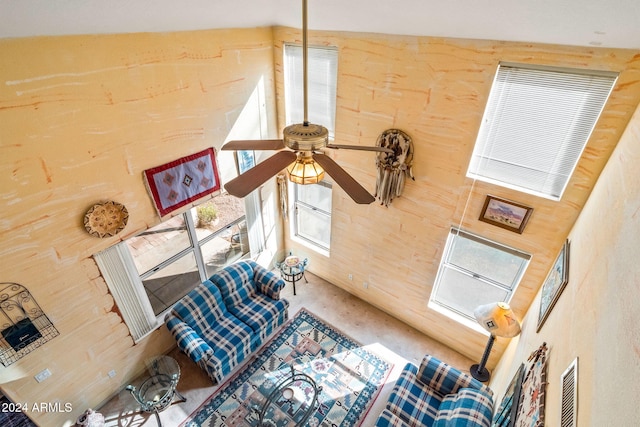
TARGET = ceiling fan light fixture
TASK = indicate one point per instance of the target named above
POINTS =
(305, 171)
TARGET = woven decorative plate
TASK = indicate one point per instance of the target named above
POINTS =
(106, 219)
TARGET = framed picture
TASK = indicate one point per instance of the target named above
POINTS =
(505, 416)
(246, 160)
(506, 214)
(554, 284)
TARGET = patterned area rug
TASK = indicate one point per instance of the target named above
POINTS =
(350, 378)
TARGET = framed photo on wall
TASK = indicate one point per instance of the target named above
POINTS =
(554, 284)
(505, 416)
(506, 214)
(246, 160)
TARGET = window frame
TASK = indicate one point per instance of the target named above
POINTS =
(125, 282)
(446, 264)
(325, 94)
(536, 125)
(308, 207)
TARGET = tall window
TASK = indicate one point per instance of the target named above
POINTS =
(535, 126)
(150, 272)
(475, 271)
(312, 204)
(322, 80)
(175, 256)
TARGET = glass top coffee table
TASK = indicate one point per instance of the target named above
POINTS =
(156, 393)
(293, 395)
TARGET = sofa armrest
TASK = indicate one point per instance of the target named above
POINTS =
(267, 282)
(188, 340)
(445, 378)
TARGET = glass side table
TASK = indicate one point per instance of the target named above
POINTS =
(292, 269)
(157, 392)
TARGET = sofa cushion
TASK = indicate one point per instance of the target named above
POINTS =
(230, 339)
(468, 407)
(411, 401)
(236, 283)
(262, 314)
(203, 305)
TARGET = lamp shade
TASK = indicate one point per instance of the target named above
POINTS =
(305, 171)
(498, 319)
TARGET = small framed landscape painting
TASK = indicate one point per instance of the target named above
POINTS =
(505, 214)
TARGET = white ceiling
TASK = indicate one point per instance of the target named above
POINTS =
(606, 23)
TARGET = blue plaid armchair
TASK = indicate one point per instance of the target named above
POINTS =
(437, 395)
(224, 319)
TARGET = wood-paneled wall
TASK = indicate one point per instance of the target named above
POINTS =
(435, 90)
(82, 118)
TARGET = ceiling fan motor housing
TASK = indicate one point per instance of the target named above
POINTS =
(305, 137)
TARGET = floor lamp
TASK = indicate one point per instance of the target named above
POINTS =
(499, 320)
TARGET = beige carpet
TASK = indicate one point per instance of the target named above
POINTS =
(379, 332)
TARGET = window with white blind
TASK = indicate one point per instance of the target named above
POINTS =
(535, 126)
(312, 204)
(321, 85)
(475, 271)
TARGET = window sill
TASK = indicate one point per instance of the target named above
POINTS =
(457, 317)
(307, 244)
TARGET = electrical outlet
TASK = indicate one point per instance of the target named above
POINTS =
(365, 285)
(350, 276)
(112, 373)
(43, 375)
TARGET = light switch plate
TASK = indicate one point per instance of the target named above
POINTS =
(43, 375)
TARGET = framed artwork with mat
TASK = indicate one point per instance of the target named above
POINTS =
(554, 284)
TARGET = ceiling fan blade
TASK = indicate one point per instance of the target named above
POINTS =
(356, 191)
(254, 144)
(244, 184)
(360, 147)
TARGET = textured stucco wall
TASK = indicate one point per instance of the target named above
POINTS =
(82, 118)
(596, 318)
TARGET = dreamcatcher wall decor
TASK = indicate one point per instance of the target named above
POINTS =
(393, 168)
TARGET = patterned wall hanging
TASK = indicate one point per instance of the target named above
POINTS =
(393, 168)
(178, 183)
(532, 392)
(23, 324)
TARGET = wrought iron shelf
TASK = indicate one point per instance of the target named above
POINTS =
(23, 324)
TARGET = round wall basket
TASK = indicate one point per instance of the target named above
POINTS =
(106, 219)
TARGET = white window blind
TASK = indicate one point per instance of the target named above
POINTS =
(322, 80)
(120, 274)
(535, 126)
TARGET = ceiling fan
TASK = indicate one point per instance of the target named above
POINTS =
(299, 151)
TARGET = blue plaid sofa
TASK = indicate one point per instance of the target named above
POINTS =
(224, 319)
(437, 395)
